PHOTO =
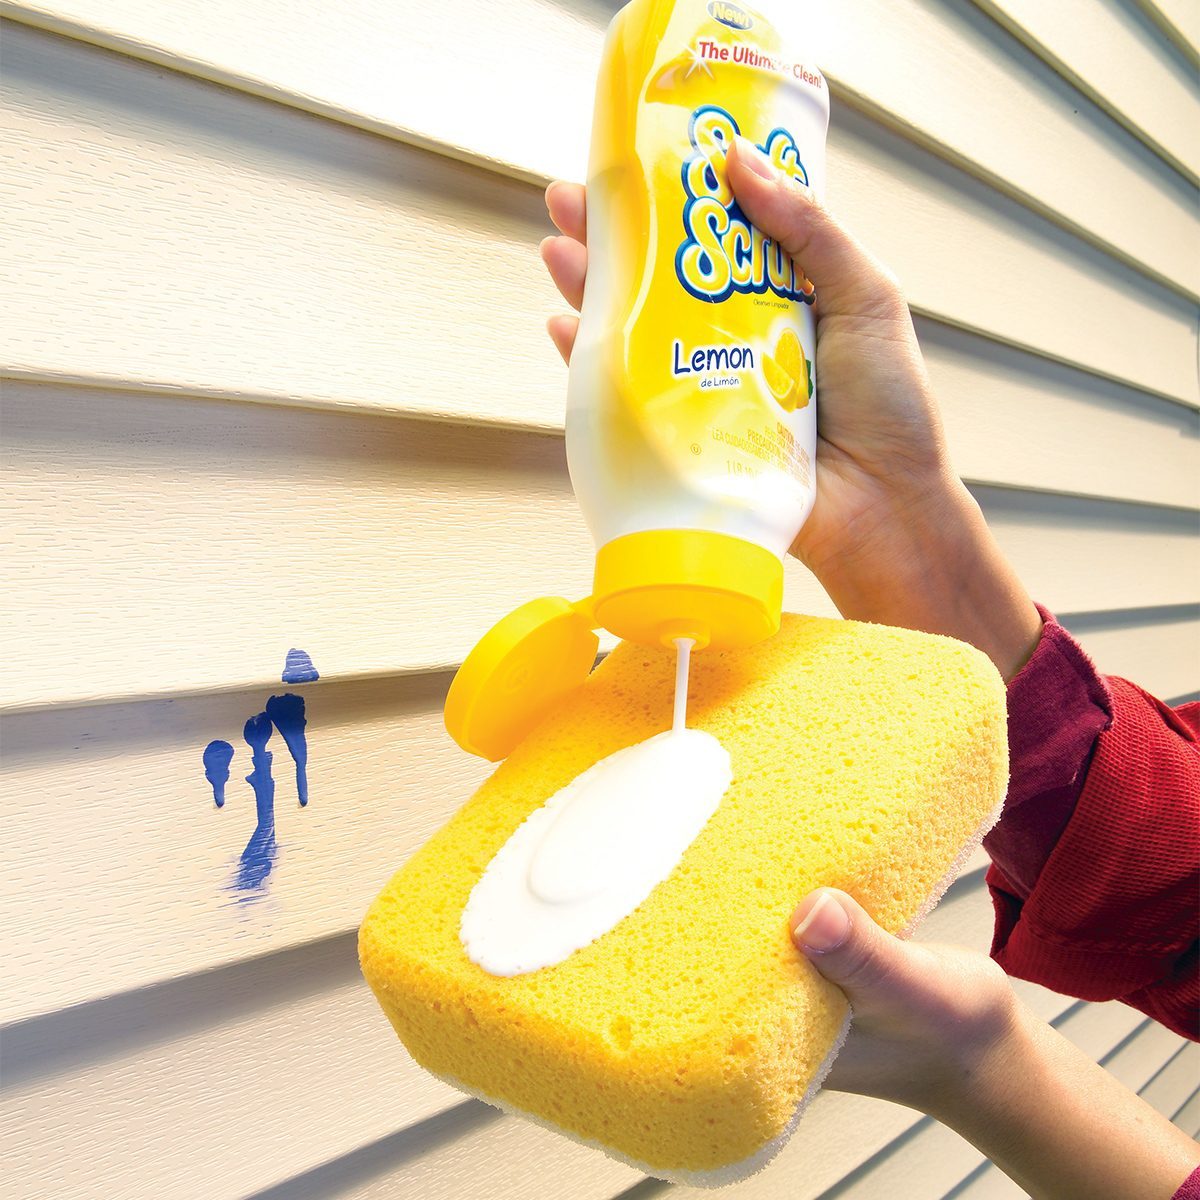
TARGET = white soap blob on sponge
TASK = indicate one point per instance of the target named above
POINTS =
(594, 851)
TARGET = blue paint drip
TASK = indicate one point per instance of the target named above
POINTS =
(298, 668)
(287, 712)
(217, 757)
(259, 855)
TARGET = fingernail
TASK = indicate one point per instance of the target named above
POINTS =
(754, 158)
(825, 925)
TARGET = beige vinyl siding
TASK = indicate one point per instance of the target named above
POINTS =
(1114, 55)
(1179, 22)
(335, 486)
(276, 377)
(936, 69)
(328, 216)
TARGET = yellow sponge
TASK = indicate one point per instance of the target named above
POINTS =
(687, 1039)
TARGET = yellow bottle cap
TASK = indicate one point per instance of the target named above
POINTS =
(524, 665)
(662, 584)
(651, 588)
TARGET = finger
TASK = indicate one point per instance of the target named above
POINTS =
(567, 205)
(848, 280)
(566, 260)
(837, 935)
(562, 331)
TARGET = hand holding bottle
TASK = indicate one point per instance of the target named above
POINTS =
(894, 536)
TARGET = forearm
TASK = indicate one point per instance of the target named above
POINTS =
(1060, 1126)
(940, 571)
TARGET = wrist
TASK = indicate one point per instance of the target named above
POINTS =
(927, 560)
(981, 1072)
(972, 1053)
(898, 537)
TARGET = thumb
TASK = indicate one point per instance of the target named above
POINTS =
(849, 281)
(837, 935)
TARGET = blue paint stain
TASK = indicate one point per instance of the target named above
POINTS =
(298, 668)
(259, 855)
(217, 757)
(287, 713)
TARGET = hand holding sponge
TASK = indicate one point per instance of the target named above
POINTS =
(687, 1039)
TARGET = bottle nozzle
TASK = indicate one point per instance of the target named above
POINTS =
(671, 633)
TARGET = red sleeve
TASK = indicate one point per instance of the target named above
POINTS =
(1110, 907)
(1057, 704)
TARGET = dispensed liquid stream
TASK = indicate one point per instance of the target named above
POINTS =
(683, 651)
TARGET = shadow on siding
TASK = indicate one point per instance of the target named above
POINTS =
(380, 1158)
(130, 1023)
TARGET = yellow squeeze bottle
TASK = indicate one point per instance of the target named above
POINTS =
(691, 410)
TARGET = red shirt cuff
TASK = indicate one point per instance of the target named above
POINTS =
(1058, 705)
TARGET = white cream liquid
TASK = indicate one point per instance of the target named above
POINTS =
(597, 848)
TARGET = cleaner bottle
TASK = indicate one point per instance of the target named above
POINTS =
(691, 407)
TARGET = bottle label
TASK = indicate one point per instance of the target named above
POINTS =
(692, 395)
(722, 252)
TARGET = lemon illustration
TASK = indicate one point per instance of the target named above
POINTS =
(779, 381)
(786, 372)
